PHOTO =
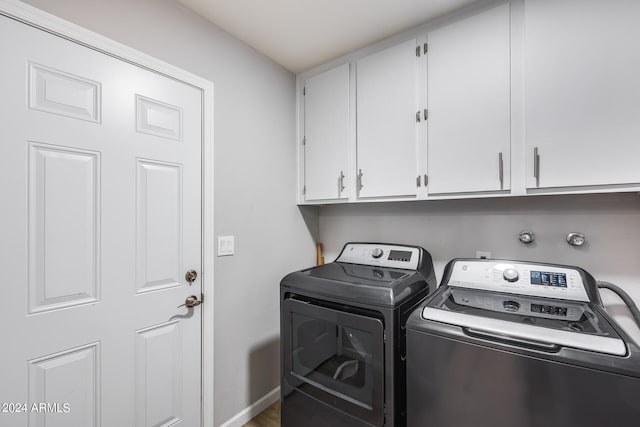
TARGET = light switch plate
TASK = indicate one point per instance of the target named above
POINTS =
(226, 245)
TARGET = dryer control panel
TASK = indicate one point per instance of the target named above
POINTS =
(381, 254)
(533, 279)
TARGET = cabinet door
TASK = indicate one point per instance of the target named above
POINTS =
(326, 124)
(469, 104)
(582, 92)
(386, 122)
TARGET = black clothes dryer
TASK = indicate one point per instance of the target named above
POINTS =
(519, 344)
(343, 336)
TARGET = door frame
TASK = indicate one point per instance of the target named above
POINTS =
(45, 21)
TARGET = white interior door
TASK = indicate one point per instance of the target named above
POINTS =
(100, 182)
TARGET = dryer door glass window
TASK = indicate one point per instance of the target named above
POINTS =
(331, 353)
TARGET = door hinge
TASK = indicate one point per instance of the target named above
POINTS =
(418, 51)
(304, 190)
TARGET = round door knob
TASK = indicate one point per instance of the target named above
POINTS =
(376, 253)
(510, 275)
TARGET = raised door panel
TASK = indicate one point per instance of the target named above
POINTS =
(64, 234)
(387, 133)
(469, 104)
(326, 124)
(581, 93)
(64, 388)
(159, 225)
(158, 377)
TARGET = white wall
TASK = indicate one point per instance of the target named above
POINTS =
(458, 228)
(255, 169)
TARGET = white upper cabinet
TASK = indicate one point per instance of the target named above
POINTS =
(326, 135)
(469, 89)
(582, 93)
(387, 133)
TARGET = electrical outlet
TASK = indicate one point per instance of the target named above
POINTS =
(483, 254)
(226, 245)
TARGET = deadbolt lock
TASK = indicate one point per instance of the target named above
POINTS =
(191, 276)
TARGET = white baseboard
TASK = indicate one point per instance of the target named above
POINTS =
(251, 411)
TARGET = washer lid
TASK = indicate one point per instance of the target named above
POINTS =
(364, 284)
(539, 321)
(359, 274)
(495, 328)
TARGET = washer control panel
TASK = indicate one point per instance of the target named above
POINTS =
(516, 304)
(381, 254)
(539, 280)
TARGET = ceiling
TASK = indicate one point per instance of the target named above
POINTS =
(300, 34)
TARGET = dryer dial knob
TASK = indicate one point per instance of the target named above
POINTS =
(511, 275)
(376, 253)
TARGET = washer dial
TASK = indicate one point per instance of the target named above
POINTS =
(511, 275)
(376, 253)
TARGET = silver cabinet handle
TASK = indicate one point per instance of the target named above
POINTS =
(501, 170)
(341, 182)
(419, 181)
(536, 166)
(360, 179)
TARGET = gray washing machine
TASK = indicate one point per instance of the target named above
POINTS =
(343, 336)
(509, 343)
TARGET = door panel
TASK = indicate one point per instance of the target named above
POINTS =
(159, 225)
(62, 93)
(64, 194)
(159, 375)
(582, 91)
(386, 121)
(469, 94)
(68, 381)
(326, 129)
(101, 163)
(335, 356)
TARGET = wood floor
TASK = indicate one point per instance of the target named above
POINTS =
(270, 417)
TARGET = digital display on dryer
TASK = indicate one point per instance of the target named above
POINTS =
(404, 256)
(545, 278)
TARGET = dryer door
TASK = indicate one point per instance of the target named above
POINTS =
(336, 357)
